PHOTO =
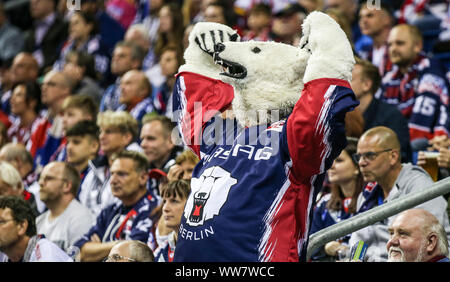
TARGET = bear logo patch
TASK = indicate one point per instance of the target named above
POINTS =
(210, 192)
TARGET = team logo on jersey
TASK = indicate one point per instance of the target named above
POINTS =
(209, 193)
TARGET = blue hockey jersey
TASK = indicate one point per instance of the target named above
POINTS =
(119, 222)
(252, 191)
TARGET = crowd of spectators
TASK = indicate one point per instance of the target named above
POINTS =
(86, 129)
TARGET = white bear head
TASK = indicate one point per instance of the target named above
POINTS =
(267, 78)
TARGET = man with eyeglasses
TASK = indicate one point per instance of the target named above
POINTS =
(126, 219)
(66, 220)
(19, 241)
(118, 131)
(130, 251)
(378, 156)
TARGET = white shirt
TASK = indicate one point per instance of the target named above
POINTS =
(68, 227)
(378, 54)
(44, 251)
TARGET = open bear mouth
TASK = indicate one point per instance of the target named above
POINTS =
(230, 69)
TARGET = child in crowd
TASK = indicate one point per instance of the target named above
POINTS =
(74, 109)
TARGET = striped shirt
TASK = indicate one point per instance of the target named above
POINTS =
(421, 94)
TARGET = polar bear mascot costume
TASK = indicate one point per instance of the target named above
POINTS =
(261, 168)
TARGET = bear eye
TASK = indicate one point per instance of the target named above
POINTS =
(256, 50)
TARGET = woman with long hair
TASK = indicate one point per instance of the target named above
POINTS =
(346, 183)
(171, 28)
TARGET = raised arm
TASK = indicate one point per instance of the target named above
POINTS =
(331, 52)
(315, 130)
(199, 94)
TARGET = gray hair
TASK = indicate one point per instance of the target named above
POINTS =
(136, 51)
(141, 29)
(442, 243)
(13, 151)
(10, 175)
(140, 251)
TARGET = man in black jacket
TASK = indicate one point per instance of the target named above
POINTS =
(48, 33)
(365, 83)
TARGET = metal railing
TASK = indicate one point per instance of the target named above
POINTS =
(376, 214)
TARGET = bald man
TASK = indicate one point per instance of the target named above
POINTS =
(417, 236)
(135, 92)
(130, 251)
(378, 157)
(405, 43)
(48, 135)
(56, 87)
(24, 68)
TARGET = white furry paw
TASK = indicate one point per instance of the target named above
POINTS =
(319, 31)
(205, 35)
(199, 54)
(331, 52)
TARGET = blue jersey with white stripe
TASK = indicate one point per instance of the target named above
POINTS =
(252, 191)
(118, 222)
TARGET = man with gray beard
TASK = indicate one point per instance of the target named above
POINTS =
(417, 236)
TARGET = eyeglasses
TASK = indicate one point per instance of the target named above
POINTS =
(5, 221)
(48, 178)
(368, 156)
(117, 257)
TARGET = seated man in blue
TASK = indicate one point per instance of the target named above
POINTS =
(127, 219)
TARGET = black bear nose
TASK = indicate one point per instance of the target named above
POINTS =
(219, 47)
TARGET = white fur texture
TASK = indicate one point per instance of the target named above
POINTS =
(276, 74)
(196, 60)
(273, 81)
(332, 55)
